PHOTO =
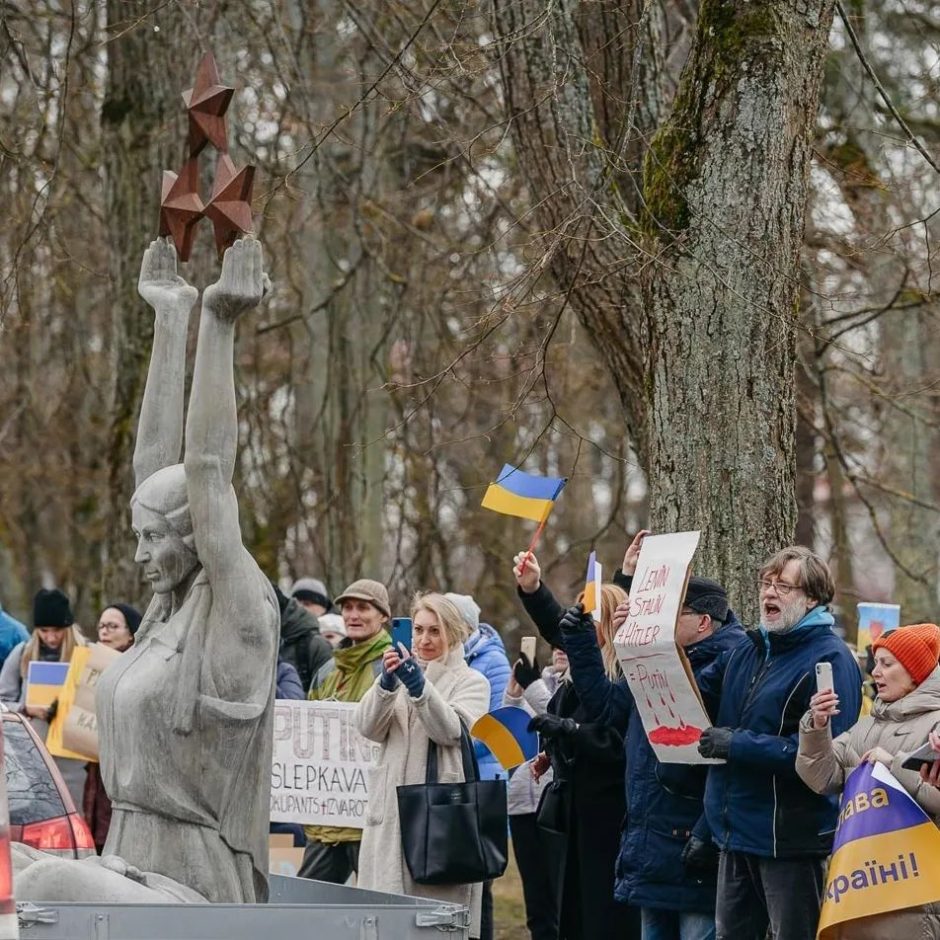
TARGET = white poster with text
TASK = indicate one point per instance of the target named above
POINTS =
(319, 772)
(655, 666)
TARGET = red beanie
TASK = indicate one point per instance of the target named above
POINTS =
(916, 648)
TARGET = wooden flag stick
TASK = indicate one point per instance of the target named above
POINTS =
(532, 544)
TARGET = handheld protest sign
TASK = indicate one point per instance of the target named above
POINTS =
(874, 620)
(655, 666)
(44, 682)
(884, 853)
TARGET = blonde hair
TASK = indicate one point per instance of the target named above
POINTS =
(611, 596)
(449, 618)
(31, 651)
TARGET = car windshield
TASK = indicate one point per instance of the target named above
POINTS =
(31, 790)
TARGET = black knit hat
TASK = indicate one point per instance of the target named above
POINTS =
(131, 614)
(51, 609)
(705, 596)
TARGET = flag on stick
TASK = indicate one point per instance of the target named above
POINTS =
(592, 587)
(516, 493)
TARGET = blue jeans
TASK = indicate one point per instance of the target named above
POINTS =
(676, 925)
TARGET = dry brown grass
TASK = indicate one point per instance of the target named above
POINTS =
(508, 905)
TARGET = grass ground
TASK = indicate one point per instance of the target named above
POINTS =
(508, 906)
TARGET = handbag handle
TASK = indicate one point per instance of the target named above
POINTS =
(471, 768)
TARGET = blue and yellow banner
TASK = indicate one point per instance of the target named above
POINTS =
(505, 732)
(44, 682)
(885, 852)
(516, 493)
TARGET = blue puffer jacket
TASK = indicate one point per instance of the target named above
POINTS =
(755, 802)
(664, 801)
(12, 633)
(484, 651)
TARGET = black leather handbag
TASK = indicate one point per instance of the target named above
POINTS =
(454, 833)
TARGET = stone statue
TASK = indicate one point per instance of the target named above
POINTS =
(185, 716)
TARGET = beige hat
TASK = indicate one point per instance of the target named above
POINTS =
(365, 590)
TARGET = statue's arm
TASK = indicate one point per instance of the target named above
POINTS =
(160, 429)
(211, 424)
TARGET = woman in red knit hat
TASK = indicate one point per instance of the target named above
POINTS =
(905, 711)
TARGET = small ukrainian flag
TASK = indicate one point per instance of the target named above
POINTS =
(44, 682)
(592, 587)
(516, 493)
(505, 732)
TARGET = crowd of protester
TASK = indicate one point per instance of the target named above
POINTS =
(609, 841)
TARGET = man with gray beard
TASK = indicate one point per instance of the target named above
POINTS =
(773, 832)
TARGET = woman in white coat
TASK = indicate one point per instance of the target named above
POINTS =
(420, 696)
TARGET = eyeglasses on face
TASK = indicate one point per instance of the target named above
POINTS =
(107, 627)
(782, 588)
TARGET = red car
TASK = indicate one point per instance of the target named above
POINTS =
(42, 812)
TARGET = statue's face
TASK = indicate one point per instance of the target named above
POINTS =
(165, 558)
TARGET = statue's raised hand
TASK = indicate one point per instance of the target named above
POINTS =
(241, 285)
(159, 284)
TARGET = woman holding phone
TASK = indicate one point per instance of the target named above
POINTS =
(421, 696)
(905, 712)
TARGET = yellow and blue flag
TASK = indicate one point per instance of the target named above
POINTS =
(516, 493)
(592, 587)
(885, 851)
(505, 732)
(44, 682)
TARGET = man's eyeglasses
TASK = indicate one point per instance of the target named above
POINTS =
(781, 587)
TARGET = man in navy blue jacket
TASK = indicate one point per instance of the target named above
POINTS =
(774, 833)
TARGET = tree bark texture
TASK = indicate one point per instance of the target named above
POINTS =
(692, 297)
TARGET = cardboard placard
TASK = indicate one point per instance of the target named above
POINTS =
(318, 775)
(655, 666)
(74, 733)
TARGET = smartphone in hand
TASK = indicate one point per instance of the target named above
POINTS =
(924, 756)
(401, 632)
(528, 648)
(824, 677)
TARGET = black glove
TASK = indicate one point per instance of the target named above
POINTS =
(576, 620)
(715, 742)
(699, 857)
(52, 710)
(551, 726)
(525, 672)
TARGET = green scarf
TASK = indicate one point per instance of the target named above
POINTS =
(353, 675)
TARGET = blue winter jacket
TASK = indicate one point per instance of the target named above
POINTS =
(288, 682)
(12, 633)
(484, 651)
(755, 802)
(664, 801)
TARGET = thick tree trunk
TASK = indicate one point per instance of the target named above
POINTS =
(692, 303)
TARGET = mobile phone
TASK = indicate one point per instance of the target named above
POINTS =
(824, 677)
(528, 648)
(401, 632)
(924, 756)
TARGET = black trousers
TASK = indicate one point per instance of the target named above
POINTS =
(755, 893)
(539, 855)
(334, 862)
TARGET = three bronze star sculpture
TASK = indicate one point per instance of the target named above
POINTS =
(229, 207)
